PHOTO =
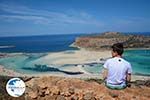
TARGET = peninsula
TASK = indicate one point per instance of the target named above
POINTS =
(105, 40)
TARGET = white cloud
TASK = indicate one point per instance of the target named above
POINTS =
(17, 12)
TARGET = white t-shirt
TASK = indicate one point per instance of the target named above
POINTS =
(117, 68)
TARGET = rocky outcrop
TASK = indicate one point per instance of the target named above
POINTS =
(59, 88)
(105, 40)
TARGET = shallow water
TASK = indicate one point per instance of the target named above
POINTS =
(139, 59)
(19, 61)
(26, 63)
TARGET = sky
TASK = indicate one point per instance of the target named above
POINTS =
(39, 17)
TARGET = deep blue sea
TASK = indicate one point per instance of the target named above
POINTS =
(139, 58)
(38, 44)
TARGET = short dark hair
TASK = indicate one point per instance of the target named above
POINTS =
(118, 47)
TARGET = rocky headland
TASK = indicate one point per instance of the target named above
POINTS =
(105, 40)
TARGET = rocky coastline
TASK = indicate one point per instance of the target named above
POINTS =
(105, 40)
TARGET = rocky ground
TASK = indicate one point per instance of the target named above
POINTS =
(8, 72)
(59, 88)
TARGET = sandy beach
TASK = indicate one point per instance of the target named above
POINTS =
(76, 58)
(72, 58)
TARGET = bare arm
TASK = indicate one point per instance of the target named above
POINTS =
(105, 73)
(128, 73)
(128, 77)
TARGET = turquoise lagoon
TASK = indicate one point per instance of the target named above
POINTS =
(29, 63)
(139, 59)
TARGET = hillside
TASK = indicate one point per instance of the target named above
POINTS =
(105, 40)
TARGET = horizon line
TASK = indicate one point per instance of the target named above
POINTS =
(71, 34)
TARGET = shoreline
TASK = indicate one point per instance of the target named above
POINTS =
(8, 72)
(75, 46)
(72, 57)
(12, 73)
(76, 57)
(137, 48)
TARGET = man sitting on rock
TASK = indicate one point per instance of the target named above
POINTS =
(117, 71)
